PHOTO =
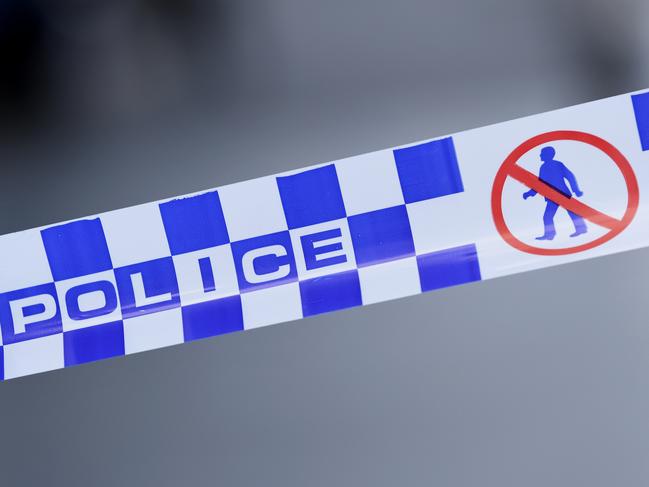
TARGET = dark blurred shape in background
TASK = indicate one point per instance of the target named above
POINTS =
(22, 52)
(69, 61)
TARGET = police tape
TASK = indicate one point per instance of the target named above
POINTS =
(530, 193)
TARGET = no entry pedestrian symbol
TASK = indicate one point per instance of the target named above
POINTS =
(560, 188)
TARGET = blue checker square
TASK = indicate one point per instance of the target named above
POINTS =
(147, 287)
(274, 264)
(448, 267)
(641, 110)
(29, 313)
(194, 223)
(311, 197)
(76, 249)
(93, 343)
(212, 318)
(330, 293)
(428, 170)
(381, 235)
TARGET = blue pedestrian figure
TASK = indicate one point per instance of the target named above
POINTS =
(555, 174)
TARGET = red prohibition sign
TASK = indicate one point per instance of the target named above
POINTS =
(509, 168)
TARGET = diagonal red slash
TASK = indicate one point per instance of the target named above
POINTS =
(572, 204)
(510, 167)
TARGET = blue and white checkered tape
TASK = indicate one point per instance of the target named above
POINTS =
(357, 231)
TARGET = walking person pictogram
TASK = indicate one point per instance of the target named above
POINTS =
(555, 174)
(557, 185)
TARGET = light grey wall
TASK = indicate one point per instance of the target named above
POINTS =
(469, 386)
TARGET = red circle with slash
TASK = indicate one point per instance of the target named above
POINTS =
(510, 168)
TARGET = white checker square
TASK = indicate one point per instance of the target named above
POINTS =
(135, 235)
(90, 301)
(445, 222)
(369, 182)
(33, 356)
(344, 241)
(23, 261)
(252, 208)
(153, 330)
(390, 280)
(271, 305)
(190, 278)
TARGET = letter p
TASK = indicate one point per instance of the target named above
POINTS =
(29, 313)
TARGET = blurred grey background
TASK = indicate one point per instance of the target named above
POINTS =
(106, 104)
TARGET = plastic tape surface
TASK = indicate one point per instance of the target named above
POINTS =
(534, 192)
